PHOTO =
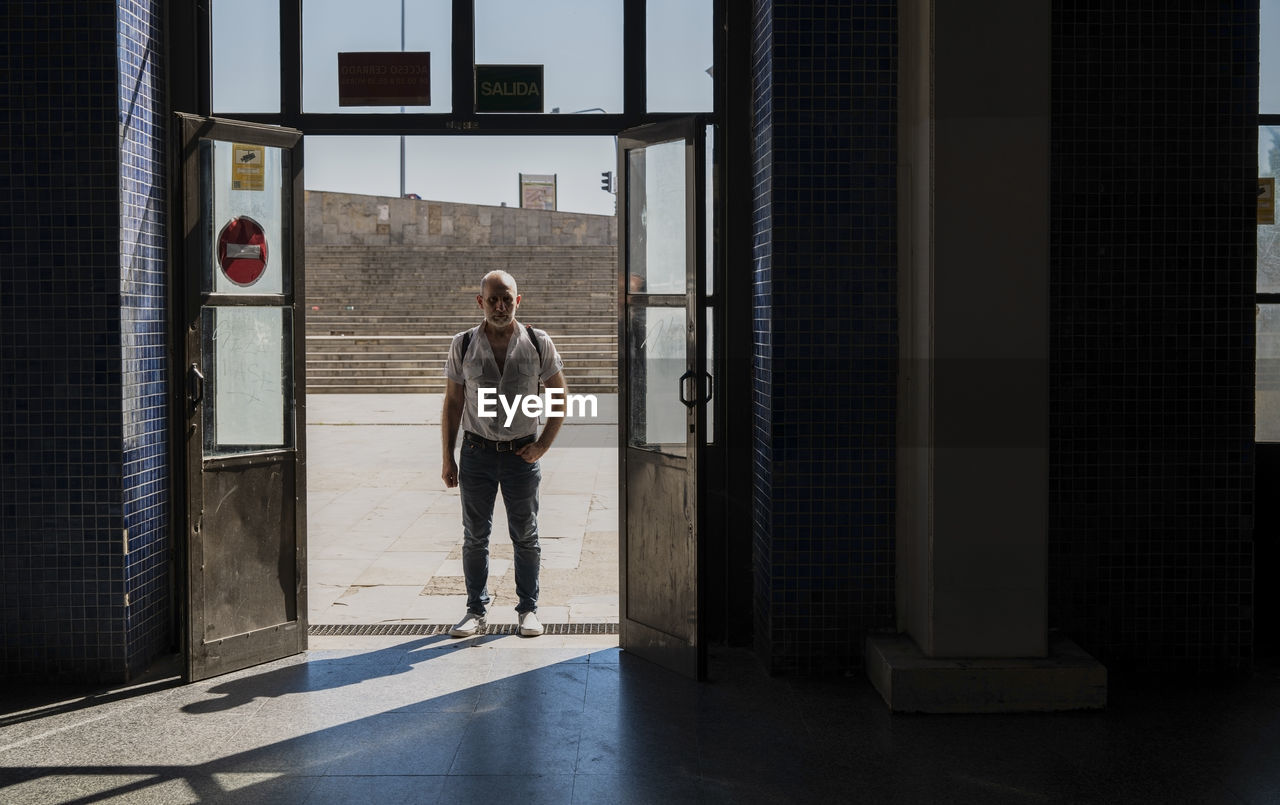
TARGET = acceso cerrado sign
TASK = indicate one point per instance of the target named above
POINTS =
(509, 88)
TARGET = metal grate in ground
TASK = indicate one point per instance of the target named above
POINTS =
(418, 629)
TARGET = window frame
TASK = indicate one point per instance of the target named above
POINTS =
(463, 119)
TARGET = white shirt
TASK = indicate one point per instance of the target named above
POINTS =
(519, 376)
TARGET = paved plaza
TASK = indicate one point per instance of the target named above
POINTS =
(385, 536)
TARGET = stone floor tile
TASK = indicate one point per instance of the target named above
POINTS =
(520, 742)
(526, 789)
(399, 568)
(377, 789)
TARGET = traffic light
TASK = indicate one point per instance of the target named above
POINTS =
(606, 181)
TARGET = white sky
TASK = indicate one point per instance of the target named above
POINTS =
(578, 41)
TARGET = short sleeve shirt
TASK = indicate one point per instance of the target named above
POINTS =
(478, 369)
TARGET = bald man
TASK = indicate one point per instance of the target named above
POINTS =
(499, 356)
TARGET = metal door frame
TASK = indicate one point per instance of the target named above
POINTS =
(188, 68)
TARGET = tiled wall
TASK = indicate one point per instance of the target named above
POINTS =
(61, 577)
(143, 302)
(761, 322)
(83, 489)
(1152, 331)
(825, 328)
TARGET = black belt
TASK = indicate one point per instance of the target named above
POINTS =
(501, 447)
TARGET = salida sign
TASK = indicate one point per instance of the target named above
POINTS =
(509, 88)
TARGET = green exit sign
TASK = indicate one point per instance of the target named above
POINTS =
(509, 88)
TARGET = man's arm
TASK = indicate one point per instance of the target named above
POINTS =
(532, 452)
(450, 419)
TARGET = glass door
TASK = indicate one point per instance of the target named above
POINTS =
(664, 390)
(246, 495)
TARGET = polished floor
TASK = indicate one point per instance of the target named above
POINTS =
(574, 720)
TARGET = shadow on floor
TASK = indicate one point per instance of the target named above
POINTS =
(434, 720)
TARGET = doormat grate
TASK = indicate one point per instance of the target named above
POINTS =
(418, 629)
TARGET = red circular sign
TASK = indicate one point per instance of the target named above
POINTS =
(242, 250)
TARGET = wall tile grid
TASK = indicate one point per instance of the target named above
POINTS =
(1152, 327)
(146, 482)
(61, 588)
(762, 345)
(826, 322)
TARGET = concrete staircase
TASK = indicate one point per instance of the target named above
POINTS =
(380, 318)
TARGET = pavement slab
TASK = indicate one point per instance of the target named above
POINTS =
(385, 535)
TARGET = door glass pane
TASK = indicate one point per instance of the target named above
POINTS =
(248, 393)
(1267, 390)
(246, 237)
(330, 27)
(1268, 234)
(710, 207)
(1269, 58)
(655, 363)
(578, 42)
(679, 53)
(656, 236)
(246, 56)
(709, 384)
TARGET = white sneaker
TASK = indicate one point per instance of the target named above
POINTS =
(529, 624)
(471, 624)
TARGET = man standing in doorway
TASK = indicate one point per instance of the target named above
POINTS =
(507, 360)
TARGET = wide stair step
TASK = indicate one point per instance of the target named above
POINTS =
(381, 318)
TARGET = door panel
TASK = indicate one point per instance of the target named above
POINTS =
(240, 284)
(661, 541)
(250, 572)
(663, 358)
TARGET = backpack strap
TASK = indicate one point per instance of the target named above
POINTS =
(537, 347)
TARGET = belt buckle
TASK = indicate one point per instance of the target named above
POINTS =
(502, 447)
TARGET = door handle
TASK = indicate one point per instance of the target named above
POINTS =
(684, 381)
(195, 385)
(708, 386)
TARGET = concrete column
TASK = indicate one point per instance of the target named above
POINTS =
(974, 336)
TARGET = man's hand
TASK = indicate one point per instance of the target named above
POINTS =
(532, 451)
(450, 417)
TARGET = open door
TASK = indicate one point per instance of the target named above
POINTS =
(241, 288)
(664, 391)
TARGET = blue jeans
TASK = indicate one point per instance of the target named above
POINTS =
(481, 471)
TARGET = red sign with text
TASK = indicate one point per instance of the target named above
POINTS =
(242, 250)
(384, 79)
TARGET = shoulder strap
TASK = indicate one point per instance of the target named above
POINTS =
(466, 342)
(529, 328)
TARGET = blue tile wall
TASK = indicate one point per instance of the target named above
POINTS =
(81, 326)
(143, 303)
(825, 361)
(60, 428)
(1152, 328)
(762, 353)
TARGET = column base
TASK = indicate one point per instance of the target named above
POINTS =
(1068, 679)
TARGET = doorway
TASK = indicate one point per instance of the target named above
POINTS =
(390, 280)
(637, 90)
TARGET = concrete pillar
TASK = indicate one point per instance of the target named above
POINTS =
(973, 387)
